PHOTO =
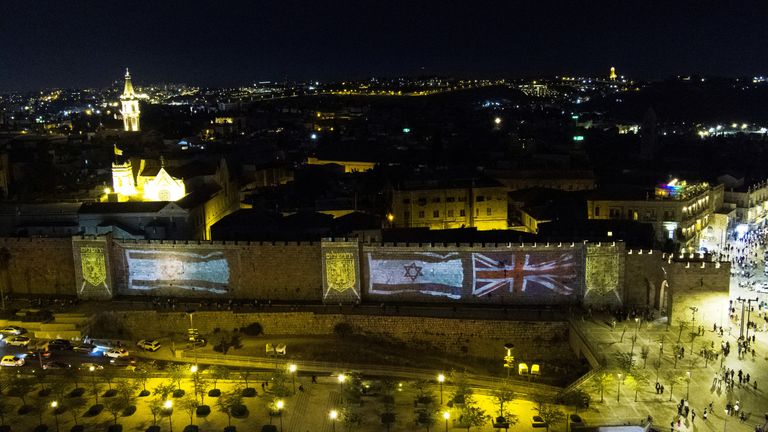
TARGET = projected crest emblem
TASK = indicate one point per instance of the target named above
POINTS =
(94, 267)
(340, 270)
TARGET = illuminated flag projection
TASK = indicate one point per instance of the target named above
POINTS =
(151, 270)
(417, 273)
(539, 273)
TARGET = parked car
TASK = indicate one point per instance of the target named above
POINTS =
(37, 354)
(10, 360)
(56, 365)
(84, 348)
(129, 363)
(538, 422)
(197, 343)
(88, 366)
(13, 330)
(17, 341)
(116, 353)
(149, 345)
(59, 345)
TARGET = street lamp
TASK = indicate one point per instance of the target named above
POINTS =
(441, 380)
(292, 370)
(618, 395)
(280, 404)
(509, 359)
(193, 369)
(688, 385)
(55, 406)
(168, 405)
(333, 415)
(446, 416)
(725, 420)
(342, 378)
(92, 369)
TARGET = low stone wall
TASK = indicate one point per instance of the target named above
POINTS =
(475, 338)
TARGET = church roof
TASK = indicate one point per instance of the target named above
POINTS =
(128, 90)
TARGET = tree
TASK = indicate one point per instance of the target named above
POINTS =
(638, 379)
(280, 383)
(75, 406)
(163, 390)
(426, 417)
(127, 390)
(625, 361)
(683, 324)
(351, 418)
(202, 386)
(21, 386)
(5, 409)
(472, 414)
(189, 404)
(109, 375)
(673, 378)
(502, 395)
(246, 375)
(39, 406)
(600, 380)
(551, 414)
(140, 378)
(219, 373)
(230, 401)
(116, 405)
(156, 408)
(462, 390)
(645, 351)
(176, 373)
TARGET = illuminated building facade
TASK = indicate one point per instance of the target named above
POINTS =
(349, 166)
(151, 184)
(456, 204)
(677, 210)
(130, 105)
(750, 202)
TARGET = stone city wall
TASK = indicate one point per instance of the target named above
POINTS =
(37, 266)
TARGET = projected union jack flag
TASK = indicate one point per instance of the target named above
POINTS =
(523, 273)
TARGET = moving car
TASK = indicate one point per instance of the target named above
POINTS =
(37, 354)
(84, 348)
(17, 341)
(116, 353)
(59, 345)
(149, 345)
(10, 360)
(13, 330)
(56, 365)
(88, 366)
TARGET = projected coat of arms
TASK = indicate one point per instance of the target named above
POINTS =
(602, 274)
(94, 267)
(340, 270)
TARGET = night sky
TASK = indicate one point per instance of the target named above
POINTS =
(89, 43)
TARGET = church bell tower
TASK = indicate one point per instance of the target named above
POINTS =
(130, 105)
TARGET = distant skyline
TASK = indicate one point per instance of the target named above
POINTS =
(81, 43)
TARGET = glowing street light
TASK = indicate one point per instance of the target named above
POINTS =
(441, 380)
(497, 121)
(168, 405)
(446, 416)
(280, 404)
(342, 378)
(333, 415)
(193, 369)
(618, 395)
(55, 406)
(292, 370)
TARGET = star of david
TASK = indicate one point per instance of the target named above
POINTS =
(412, 271)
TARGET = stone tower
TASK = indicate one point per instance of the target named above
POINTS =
(130, 105)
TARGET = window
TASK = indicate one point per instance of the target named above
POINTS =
(462, 199)
(462, 213)
(436, 199)
(477, 212)
(450, 199)
(488, 211)
(480, 198)
(450, 213)
(406, 200)
(614, 213)
(407, 216)
(597, 211)
(422, 201)
(436, 214)
(421, 214)
(669, 214)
